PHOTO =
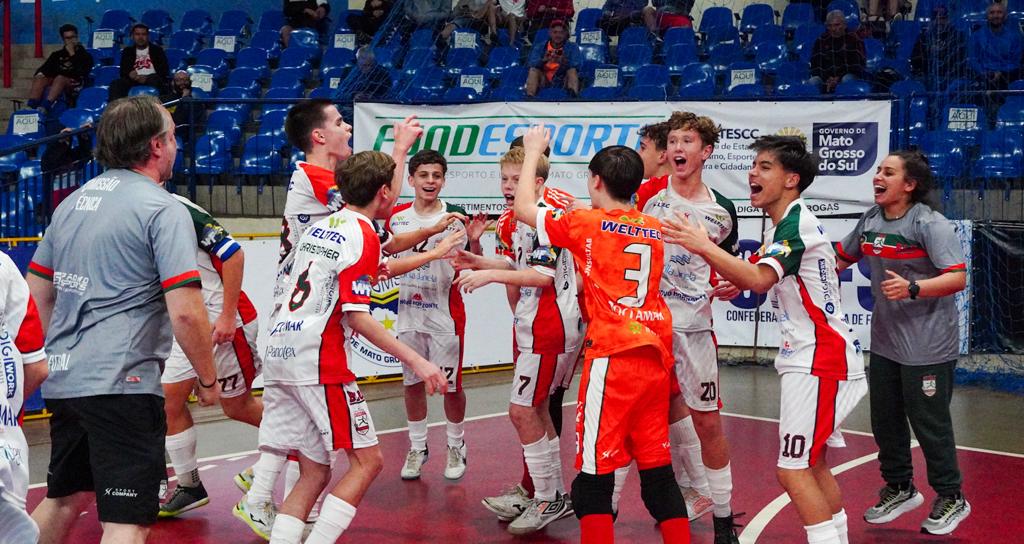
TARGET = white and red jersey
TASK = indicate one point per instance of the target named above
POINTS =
(816, 338)
(426, 300)
(547, 319)
(687, 279)
(21, 340)
(312, 196)
(335, 262)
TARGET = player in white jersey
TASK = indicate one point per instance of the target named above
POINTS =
(312, 403)
(819, 360)
(548, 332)
(431, 315)
(235, 328)
(24, 368)
(688, 284)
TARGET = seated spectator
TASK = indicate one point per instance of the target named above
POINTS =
(471, 15)
(540, 13)
(304, 14)
(374, 80)
(665, 14)
(367, 23)
(142, 63)
(940, 51)
(556, 63)
(510, 14)
(838, 55)
(64, 71)
(181, 87)
(996, 49)
(425, 14)
(619, 14)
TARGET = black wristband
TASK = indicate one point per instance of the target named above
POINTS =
(203, 385)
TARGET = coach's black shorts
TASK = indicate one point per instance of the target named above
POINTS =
(113, 445)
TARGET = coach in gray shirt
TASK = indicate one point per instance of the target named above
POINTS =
(113, 277)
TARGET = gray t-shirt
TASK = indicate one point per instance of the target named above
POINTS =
(114, 247)
(918, 246)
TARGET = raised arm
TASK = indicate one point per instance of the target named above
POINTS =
(535, 141)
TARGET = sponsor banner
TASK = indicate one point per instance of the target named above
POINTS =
(847, 138)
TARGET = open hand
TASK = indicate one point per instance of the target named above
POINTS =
(684, 231)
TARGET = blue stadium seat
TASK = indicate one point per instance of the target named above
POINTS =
(465, 39)
(587, 19)
(715, 17)
(475, 78)
(747, 90)
(241, 108)
(291, 94)
(335, 57)
(388, 56)
(458, 59)
(911, 111)
(722, 34)
(224, 122)
(272, 19)
(632, 57)
(158, 21)
(652, 75)
(698, 71)
(423, 37)
(333, 77)
(93, 99)
(853, 87)
(966, 120)
(197, 20)
(552, 94)
(261, 156)
(923, 10)
(768, 33)
(1001, 154)
(678, 56)
(458, 95)
(604, 76)
(108, 52)
(176, 59)
(944, 153)
(118, 20)
(216, 59)
(236, 21)
(297, 58)
(594, 52)
(770, 56)
(902, 37)
(76, 117)
(202, 78)
(1010, 115)
(701, 88)
(246, 78)
(254, 58)
(188, 41)
(143, 90)
(850, 9)
(269, 41)
(30, 169)
(304, 37)
(417, 59)
(599, 93)
(742, 73)
(795, 15)
(432, 78)
(227, 41)
(649, 93)
(421, 95)
(756, 15)
(501, 58)
(634, 35)
(287, 78)
(797, 89)
(874, 50)
(679, 35)
(804, 38)
(322, 92)
(594, 36)
(27, 124)
(724, 54)
(514, 77)
(212, 154)
(272, 124)
(97, 57)
(509, 94)
(14, 161)
(105, 75)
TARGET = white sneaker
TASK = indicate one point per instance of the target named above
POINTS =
(414, 464)
(697, 505)
(260, 519)
(456, 466)
(243, 480)
(538, 515)
(509, 505)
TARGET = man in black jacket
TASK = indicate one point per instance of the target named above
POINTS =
(64, 71)
(142, 63)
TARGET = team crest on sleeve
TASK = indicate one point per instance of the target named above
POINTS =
(778, 249)
(362, 286)
(211, 235)
(544, 255)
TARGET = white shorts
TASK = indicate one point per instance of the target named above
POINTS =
(537, 376)
(810, 413)
(237, 362)
(315, 420)
(516, 8)
(696, 365)
(13, 466)
(444, 350)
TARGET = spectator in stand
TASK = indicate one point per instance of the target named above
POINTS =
(475, 15)
(555, 63)
(181, 87)
(838, 55)
(64, 71)
(540, 13)
(142, 63)
(510, 14)
(996, 49)
(304, 14)
(367, 23)
(425, 14)
(665, 14)
(619, 14)
(940, 51)
(374, 81)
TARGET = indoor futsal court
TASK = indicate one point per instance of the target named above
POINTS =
(991, 457)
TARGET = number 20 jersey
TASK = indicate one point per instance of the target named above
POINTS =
(335, 260)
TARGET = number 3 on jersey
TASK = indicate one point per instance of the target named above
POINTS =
(640, 275)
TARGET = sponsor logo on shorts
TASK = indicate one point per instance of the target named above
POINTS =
(120, 492)
(362, 422)
(355, 397)
(928, 385)
(282, 353)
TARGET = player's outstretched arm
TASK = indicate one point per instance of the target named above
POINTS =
(535, 141)
(465, 260)
(694, 237)
(407, 132)
(364, 324)
(472, 280)
(397, 267)
(191, 326)
(405, 240)
(231, 277)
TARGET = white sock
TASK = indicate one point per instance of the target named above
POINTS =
(720, 484)
(287, 530)
(265, 473)
(538, 462)
(555, 449)
(456, 433)
(620, 482)
(821, 533)
(839, 522)
(335, 517)
(291, 475)
(418, 434)
(181, 448)
(683, 434)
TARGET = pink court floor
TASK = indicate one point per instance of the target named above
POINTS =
(433, 509)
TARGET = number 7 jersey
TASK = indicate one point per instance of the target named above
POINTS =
(620, 255)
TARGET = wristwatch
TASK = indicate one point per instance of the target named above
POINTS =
(914, 289)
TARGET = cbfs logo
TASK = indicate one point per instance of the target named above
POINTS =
(845, 149)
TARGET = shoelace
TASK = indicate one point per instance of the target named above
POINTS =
(943, 507)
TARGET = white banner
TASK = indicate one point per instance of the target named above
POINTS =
(848, 138)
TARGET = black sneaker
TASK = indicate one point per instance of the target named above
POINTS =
(184, 499)
(947, 513)
(725, 529)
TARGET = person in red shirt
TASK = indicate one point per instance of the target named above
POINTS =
(622, 410)
(541, 13)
